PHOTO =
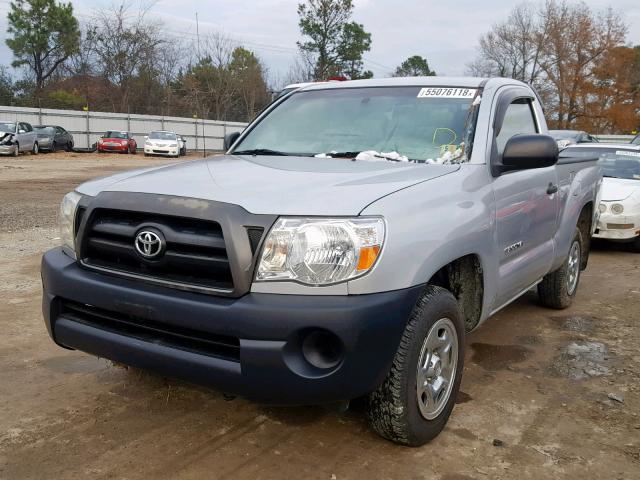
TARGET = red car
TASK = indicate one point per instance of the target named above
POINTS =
(117, 141)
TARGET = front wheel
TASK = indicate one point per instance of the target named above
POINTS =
(558, 289)
(414, 402)
(16, 151)
(35, 150)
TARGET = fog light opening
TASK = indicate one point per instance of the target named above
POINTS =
(322, 349)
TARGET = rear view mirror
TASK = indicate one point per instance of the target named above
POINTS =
(230, 139)
(527, 151)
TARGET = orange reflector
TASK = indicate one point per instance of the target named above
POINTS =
(368, 257)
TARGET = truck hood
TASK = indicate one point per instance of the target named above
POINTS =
(275, 185)
(618, 188)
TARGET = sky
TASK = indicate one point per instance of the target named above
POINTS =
(444, 32)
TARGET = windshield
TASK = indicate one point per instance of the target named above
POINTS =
(564, 134)
(43, 129)
(7, 127)
(162, 136)
(615, 162)
(113, 134)
(636, 141)
(414, 123)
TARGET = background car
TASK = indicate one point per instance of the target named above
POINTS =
(636, 140)
(620, 203)
(162, 143)
(117, 141)
(53, 137)
(16, 137)
(564, 138)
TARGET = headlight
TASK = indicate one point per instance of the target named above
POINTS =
(173, 145)
(320, 251)
(602, 207)
(67, 219)
(617, 208)
(148, 144)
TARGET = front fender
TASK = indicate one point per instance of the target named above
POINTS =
(430, 225)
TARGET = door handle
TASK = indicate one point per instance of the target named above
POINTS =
(551, 189)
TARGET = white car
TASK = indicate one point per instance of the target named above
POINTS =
(620, 201)
(164, 143)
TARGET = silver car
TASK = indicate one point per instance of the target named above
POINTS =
(16, 137)
(53, 137)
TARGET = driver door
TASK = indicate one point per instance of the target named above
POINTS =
(526, 205)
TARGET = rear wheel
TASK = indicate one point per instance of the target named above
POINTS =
(414, 402)
(558, 289)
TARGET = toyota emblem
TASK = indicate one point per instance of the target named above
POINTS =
(149, 244)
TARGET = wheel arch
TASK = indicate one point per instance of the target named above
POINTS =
(585, 222)
(464, 278)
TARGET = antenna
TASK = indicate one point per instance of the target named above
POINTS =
(198, 36)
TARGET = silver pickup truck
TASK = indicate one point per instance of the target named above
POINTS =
(343, 247)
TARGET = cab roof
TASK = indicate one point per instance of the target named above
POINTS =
(465, 82)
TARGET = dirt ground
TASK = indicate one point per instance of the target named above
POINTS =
(546, 394)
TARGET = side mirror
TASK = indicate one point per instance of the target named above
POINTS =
(146, 137)
(230, 139)
(22, 131)
(527, 151)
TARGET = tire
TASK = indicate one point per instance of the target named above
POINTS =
(35, 149)
(69, 147)
(395, 409)
(635, 246)
(558, 289)
(16, 152)
(54, 147)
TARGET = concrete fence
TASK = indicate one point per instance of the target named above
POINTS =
(87, 127)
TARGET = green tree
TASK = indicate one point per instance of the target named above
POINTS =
(43, 35)
(333, 42)
(7, 95)
(248, 74)
(415, 66)
(355, 41)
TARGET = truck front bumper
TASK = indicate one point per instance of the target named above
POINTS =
(285, 349)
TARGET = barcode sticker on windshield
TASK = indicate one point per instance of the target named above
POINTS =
(447, 92)
(627, 153)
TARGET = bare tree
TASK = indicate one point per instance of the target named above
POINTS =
(577, 40)
(512, 48)
(557, 48)
(122, 42)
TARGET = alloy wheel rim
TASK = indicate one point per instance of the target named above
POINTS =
(437, 366)
(573, 268)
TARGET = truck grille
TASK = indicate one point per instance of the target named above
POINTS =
(195, 253)
(172, 336)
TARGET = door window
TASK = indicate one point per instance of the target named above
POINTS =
(518, 120)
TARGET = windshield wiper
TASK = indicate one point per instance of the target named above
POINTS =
(261, 151)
